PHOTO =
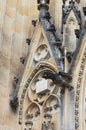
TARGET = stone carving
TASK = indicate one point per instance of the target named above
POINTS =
(47, 15)
(78, 1)
(34, 22)
(28, 41)
(14, 103)
(43, 1)
(41, 53)
(70, 24)
(43, 4)
(60, 78)
(40, 88)
(22, 60)
(77, 33)
(84, 10)
(78, 91)
(16, 80)
(69, 56)
(29, 125)
(51, 105)
(32, 112)
(58, 44)
(51, 28)
(42, 66)
(67, 10)
(47, 125)
(55, 77)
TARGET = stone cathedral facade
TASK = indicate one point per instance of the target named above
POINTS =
(42, 65)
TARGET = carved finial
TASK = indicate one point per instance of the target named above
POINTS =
(64, 1)
(71, 2)
(43, 4)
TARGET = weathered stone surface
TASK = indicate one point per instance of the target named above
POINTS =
(15, 26)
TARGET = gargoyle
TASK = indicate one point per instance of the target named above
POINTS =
(57, 77)
(53, 76)
(60, 78)
(65, 76)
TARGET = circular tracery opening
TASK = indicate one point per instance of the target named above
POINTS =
(40, 87)
(42, 52)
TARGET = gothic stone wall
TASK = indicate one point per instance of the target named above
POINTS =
(15, 27)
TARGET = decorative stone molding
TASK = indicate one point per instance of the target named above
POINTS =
(63, 79)
(32, 112)
(29, 125)
(49, 106)
(39, 87)
(67, 10)
(47, 124)
(84, 10)
(39, 67)
(78, 90)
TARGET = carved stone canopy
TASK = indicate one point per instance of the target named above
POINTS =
(68, 9)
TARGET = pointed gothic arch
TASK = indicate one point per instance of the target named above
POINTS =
(81, 74)
(49, 102)
(40, 66)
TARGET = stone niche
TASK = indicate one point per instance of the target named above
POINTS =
(41, 53)
(70, 40)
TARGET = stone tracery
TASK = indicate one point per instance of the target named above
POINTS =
(33, 110)
(77, 98)
(26, 87)
(39, 93)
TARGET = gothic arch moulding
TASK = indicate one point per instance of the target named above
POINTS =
(42, 66)
(81, 61)
(51, 104)
(33, 111)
